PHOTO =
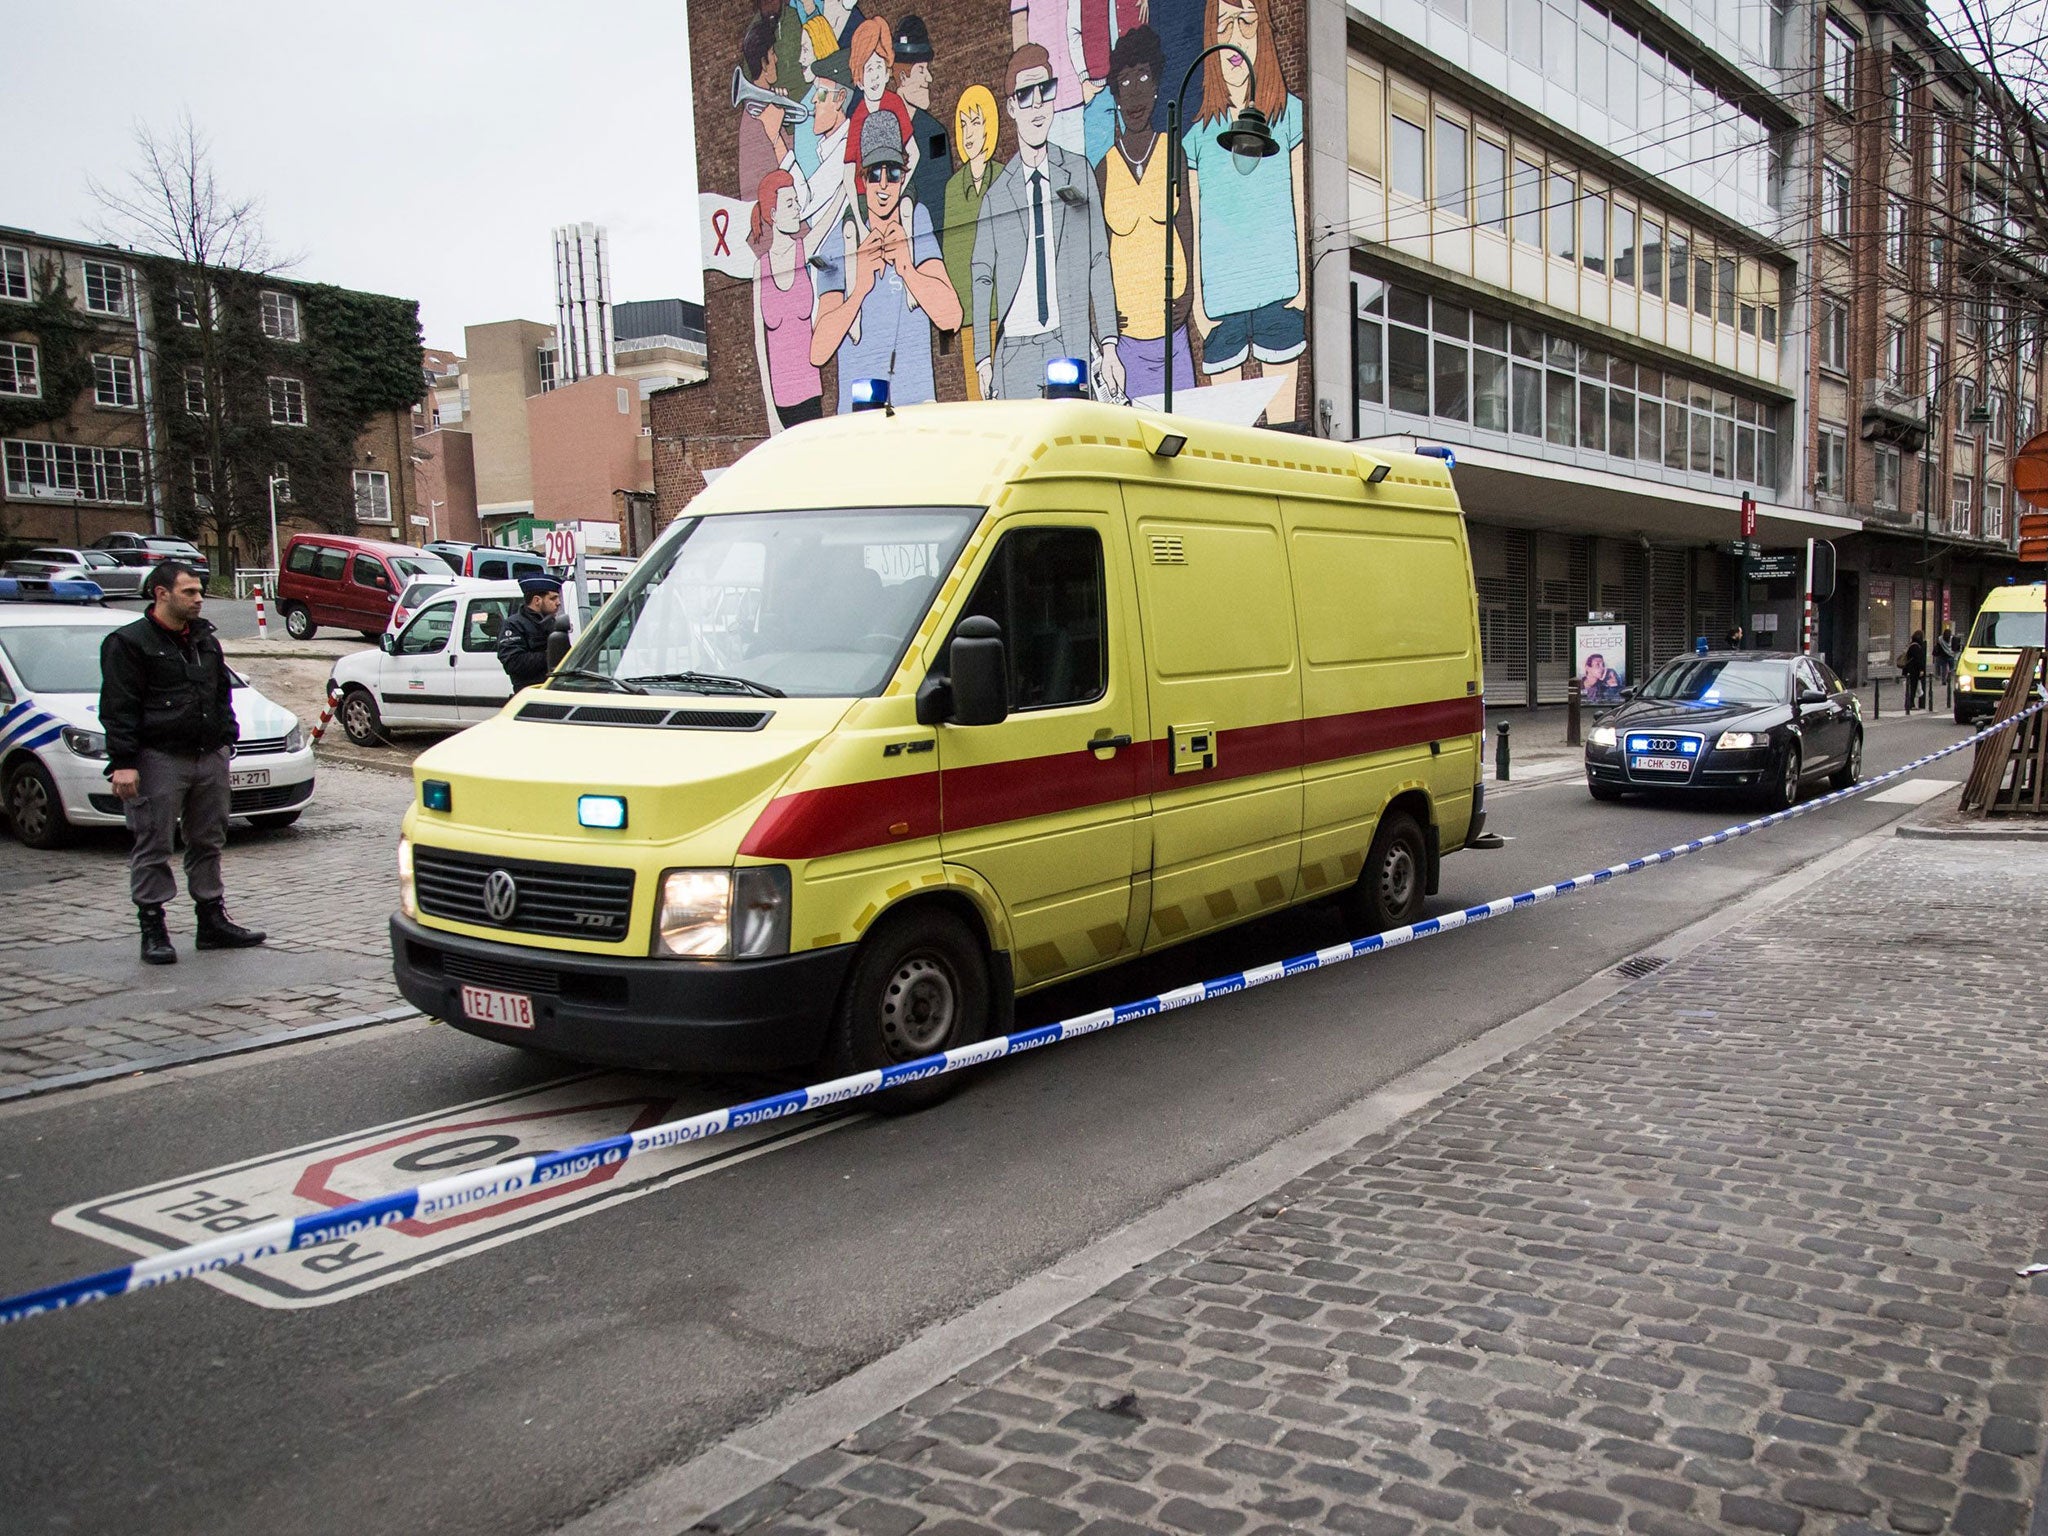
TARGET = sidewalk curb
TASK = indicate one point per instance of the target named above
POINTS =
(37, 1090)
(679, 1496)
(347, 758)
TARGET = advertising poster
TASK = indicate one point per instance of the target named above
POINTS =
(1600, 658)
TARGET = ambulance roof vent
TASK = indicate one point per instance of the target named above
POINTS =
(648, 719)
(1168, 550)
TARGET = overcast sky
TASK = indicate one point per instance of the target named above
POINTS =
(424, 150)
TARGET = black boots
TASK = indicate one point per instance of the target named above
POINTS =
(216, 929)
(156, 939)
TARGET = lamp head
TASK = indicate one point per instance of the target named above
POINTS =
(1249, 140)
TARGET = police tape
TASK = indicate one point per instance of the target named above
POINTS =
(528, 1174)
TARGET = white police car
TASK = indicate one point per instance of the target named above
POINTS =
(53, 755)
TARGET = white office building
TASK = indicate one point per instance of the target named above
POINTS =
(583, 303)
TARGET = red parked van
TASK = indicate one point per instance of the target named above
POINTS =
(345, 582)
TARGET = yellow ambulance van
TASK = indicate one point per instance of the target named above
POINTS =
(914, 711)
(2012, 617)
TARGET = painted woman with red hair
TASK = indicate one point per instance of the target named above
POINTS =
(783, 301)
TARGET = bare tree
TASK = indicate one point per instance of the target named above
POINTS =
(172, 205)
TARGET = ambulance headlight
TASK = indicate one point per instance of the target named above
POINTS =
(79, 743)
(723, 914)
(407, 903)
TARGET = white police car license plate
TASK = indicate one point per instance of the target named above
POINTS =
(1661, 764)
(487, 1005)
(249, 778)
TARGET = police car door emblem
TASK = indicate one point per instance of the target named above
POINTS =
(501, 896)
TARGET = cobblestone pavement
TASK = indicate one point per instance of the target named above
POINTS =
(73, 996)
(1734, 1251)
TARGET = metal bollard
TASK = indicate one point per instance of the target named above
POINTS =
(1571, 713)
(1877, 698)
(1500, 754)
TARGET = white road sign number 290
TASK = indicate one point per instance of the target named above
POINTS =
(559, 547)
(380, 1159)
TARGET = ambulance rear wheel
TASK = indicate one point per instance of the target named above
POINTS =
(33, 807)
(918, 986)
(1394, 881)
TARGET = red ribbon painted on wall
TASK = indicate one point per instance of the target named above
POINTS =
(721, 221)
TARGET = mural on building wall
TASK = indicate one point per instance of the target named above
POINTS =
(896, 218)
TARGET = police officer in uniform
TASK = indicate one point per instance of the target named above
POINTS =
(523, 642)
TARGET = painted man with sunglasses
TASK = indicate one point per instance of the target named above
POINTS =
(1041, 251)
(876, 311)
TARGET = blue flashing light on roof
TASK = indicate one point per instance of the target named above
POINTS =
(871, 395)
(14, 590)
(1437, 452)
(1066, 378)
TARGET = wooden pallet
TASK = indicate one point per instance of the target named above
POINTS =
(2010, 774)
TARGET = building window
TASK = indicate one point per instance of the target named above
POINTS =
(1702, 282)
(1895, 354)
(1593, 233)
(1887, 458)
(106, 288)
(70, 472)
(281, 482)
(1896, 250)
(1770, 323)
(1996, 400)
(1624, 245)
(19, 374)
(1838, 63)
(1408, 145)
(1366, 125)
(1834, 200)
(14, 283)
(1959, 503)
(1726, 290)
(1490, 184)
(1994, 510)
(1831, 469)
(1653, 259)
(544, 357)
(113, 381)
(1901, 106)
(1452, 188)
(1834, 334)
(287, 402)
(1966, 402)
(1680, 266)
(185, 297)
(1937, 264)
(1528, 204)
(195, 390)
(281, 316)
(1369, 342)
(202, 475)
(373, 496)
(1933, 371)
(1563, 203)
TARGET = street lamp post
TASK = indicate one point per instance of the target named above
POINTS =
(1249, 141)
(275, 567)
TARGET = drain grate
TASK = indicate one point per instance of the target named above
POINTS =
(1635, 967)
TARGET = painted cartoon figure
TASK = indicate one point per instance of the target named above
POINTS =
(823, 190)
(784, 298)
(913, 81)
(1132, 178)
(763, 132)
(974, 139)
(873, 56)
(1049, 24)
(1251, 274)
(882, 292)
(1041, 251)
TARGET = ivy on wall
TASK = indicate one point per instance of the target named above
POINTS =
(62, 337)
(358, 359)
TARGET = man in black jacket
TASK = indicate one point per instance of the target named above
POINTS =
(167, 706)
(523, 641)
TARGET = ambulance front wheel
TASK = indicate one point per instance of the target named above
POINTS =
(919, 985)
(1395, 879)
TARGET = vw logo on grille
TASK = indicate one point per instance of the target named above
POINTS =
(501, 896)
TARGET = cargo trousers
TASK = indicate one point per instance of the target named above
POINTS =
(178, 787)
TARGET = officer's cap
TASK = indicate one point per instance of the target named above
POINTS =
(535, 586)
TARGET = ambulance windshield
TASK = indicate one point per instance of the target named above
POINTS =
(817, 604)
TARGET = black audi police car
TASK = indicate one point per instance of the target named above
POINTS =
(1764, 722)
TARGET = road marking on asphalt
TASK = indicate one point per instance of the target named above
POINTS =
(1913, 791)
(322, 1175)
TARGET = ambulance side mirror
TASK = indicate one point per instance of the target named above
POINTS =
(981, 673)
(558, 648)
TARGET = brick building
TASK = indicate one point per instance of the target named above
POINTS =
(97, 435)
(1925, 368)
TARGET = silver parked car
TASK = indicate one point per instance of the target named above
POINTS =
(114, 578)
